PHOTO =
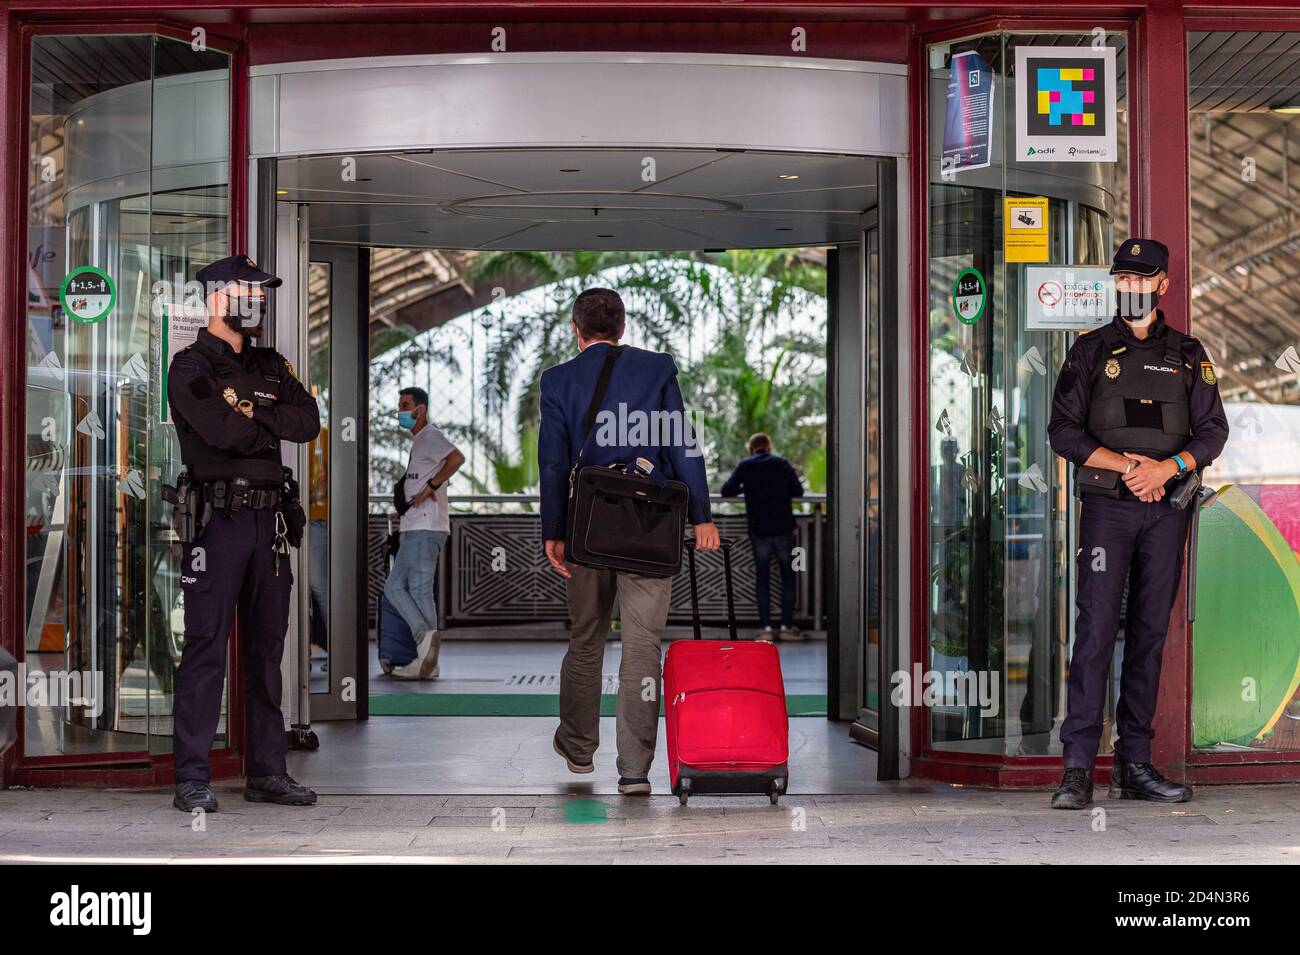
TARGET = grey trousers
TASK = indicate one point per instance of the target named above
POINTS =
(643, 611)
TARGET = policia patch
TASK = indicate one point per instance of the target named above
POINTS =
(1207, 373)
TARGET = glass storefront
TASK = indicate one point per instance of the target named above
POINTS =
(129, 174)
(1243, 97)
(1001, 512)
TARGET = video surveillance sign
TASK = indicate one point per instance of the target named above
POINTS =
(1065, 104)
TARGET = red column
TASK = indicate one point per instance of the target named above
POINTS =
(1158, 125)
(13, 349)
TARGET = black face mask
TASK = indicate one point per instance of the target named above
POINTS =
(1135, 306)
(246, 316)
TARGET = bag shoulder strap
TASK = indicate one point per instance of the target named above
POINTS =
(598, 397)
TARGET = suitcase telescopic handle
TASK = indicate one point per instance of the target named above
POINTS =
(725, 546)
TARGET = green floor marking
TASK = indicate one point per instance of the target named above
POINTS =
(529, 704)
(584, 812)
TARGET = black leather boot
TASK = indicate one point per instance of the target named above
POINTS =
(281, 789)
(1142, 781)
(191, 795)
(1075, 791)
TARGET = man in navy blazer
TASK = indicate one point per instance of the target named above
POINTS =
(643, 387)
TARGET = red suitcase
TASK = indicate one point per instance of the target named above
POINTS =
(728, 731)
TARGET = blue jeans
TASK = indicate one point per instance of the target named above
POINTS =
(410, 583)
(782, 548)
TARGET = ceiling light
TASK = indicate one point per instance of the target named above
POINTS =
(788, 176)
(282, 192)
(1288, 104)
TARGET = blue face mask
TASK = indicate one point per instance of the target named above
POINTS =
(406, 419)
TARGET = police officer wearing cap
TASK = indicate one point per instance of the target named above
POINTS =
(236, 514)
(1137, 410)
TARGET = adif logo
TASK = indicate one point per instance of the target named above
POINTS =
(74, 908)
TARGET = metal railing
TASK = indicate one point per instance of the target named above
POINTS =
(493, 569)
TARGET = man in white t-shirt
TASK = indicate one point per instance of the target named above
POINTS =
(424, 528)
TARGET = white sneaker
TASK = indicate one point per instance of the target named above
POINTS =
(425, 664)
(792, 633)
(429, 656)
(765, 634)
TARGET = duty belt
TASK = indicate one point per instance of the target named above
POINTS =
(234, 495)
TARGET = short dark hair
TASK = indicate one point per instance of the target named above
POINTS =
(418, 395)
(599, 314)
(759, 442)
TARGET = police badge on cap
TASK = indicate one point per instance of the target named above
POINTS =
(1141, 257)
(236, 268)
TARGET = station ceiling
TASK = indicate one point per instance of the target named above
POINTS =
(592, 199)
(1245, 207)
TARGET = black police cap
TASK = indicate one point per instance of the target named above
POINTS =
(1141, 257)
(236, 268)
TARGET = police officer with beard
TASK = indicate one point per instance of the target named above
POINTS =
(237, 513)
(1137, 410)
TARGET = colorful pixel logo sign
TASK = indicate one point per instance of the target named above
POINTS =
(1066, 96)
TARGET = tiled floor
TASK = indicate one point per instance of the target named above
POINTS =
(471, 754)
(899, 823)
(513, 755)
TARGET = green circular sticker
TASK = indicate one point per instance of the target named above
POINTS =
(969, 296)
(87, 294)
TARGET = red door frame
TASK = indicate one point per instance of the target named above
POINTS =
(1160, 205)
(1157, 74)
(948, 765)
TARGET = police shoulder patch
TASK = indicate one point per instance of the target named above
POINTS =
(1207, 373)
(289, 365)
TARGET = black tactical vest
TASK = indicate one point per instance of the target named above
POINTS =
(1140, 394)
(243, 387)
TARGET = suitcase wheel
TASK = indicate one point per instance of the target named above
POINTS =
(683, 791)
(303, 739)
(774, 793)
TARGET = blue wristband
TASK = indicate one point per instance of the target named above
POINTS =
(1182, 465)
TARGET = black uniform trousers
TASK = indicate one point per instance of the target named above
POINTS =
(1121, 540)
(231, 569)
